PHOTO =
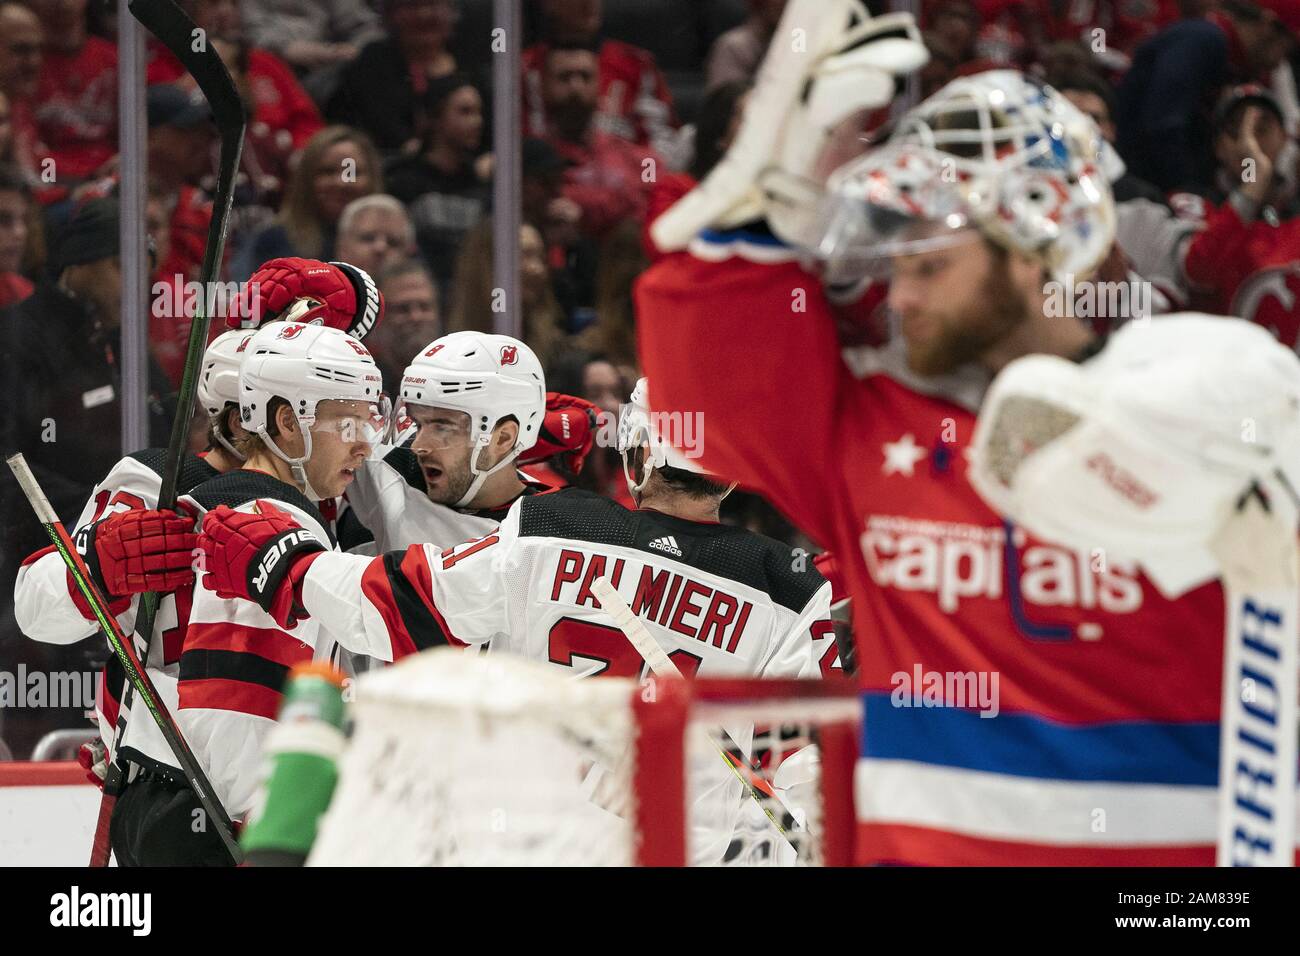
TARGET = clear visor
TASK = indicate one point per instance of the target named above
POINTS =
(436, 428)
(367, 422)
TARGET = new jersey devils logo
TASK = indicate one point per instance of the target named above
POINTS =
(433, 350)
(509, 354)
(291, 331)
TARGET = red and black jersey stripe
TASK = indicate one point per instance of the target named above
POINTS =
(237, 667)
(398, 584)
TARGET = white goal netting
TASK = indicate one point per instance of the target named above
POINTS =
(486, 760)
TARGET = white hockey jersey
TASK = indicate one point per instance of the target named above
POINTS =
(721, 600)
(46, 605)
(236, 658)
(388, 496)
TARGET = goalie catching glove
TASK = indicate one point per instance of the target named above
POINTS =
(260, 557)
(135, 551)
(309, 291)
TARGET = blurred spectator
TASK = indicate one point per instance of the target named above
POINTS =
(475, 302)
(180, 143)
(1009, 32)
(60, 397)
(736, 54)
(955, 24)
(942, 65)
(715, 127)
(76, 99)
(282, 116)
(316, 37)
(1246, 260)
(382, 90)
(1112, 29)
(593, 376)
(15, 214)
(6, 130)
(1165, 133)
(374, 233)
(338, 165)
(446, 184)
(1095, 97)
(635, 103)
(608, 178)
(411, 320)
(20, 69)
(570, 254)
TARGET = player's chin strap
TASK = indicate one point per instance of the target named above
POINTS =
(214, 424)
(482, 476)
(1257, 550)
(297, 466)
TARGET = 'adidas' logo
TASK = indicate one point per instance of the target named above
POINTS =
(667, 544)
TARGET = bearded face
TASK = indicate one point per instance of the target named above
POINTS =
(954, 304)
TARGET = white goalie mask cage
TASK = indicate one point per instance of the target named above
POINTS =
(998, 153)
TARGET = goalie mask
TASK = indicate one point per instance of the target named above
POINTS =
(1146, 449)
(489, 378)
(219, 380)
(306, 365)
(996, 154)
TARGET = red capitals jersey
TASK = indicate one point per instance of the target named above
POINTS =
(1024, 703)
(76, 108)
(1250, 269)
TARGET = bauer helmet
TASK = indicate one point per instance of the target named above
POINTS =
(219, 379)
(660, 435)
(488, 377)
(998, 152)
(306, 365)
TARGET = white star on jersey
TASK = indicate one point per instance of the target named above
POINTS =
(901, 456)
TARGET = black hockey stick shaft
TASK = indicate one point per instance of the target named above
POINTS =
(124, 649)
(165, 20)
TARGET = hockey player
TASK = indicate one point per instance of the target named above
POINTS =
(986, 197)
(722, 600)
(478, 406)
(131, 548)
(310, 403)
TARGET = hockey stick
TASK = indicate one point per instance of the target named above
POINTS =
(662, 666)
(124, 648)
(165, 20)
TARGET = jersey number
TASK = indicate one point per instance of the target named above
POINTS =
(608, 646)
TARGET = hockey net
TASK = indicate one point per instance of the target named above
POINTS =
(481, 760)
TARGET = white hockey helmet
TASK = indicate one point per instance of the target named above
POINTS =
(219, 379)
(998, 152)
(306, 365)
(488, 377)
(1147, 448)
(640, 427)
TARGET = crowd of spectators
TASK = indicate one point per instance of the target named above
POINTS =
(370, 140)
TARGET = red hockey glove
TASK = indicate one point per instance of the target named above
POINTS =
(569, 430)
(93, 757)
(136, 551)
(260, 557)
(336, 294)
